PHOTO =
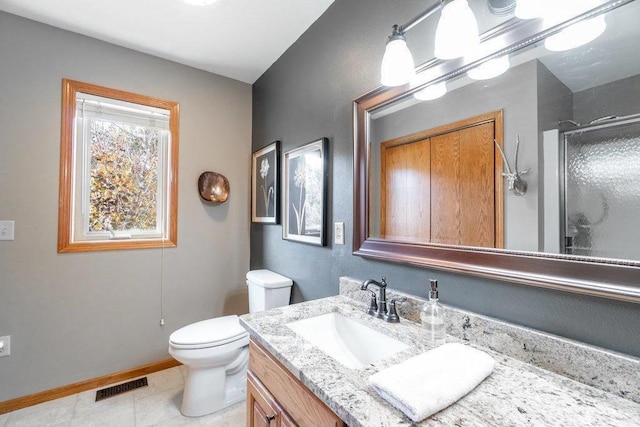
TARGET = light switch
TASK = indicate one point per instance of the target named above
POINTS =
(5, 345)
(338, 233)
(6, 230)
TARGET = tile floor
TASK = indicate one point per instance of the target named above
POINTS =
(155, 405)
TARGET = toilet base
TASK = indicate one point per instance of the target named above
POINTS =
(210, 390)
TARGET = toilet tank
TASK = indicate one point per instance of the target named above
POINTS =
(267, 290)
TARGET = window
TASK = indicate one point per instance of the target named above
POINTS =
(118, 170)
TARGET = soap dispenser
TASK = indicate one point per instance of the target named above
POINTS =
(432, 316)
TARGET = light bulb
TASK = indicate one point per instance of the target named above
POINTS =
(457, 31)
(397, 64)
(431, 92)
(576, 35)
(490, 69)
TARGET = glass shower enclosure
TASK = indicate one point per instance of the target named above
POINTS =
(602, 189)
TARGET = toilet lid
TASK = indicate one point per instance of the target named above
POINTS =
(212, 332)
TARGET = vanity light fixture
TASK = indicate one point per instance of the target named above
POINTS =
(457, 31)
(398, 67)
(431, 92)
(490, 69)
(456, 35)
(576, 35)
(557, 11)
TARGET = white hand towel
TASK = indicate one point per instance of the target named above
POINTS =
(428, 383)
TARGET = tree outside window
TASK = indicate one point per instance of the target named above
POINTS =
(121, 152)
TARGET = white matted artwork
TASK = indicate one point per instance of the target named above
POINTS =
(265, 172)
(305, 193)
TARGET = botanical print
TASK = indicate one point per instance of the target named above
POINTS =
(267, 190)
(306, 194)
(264, 194)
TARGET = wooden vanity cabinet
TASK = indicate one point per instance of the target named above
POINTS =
(275, 398)
(262, 408)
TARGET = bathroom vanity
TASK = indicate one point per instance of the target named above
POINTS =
(538, 379)
(276, 398)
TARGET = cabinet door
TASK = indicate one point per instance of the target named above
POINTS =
(262, 410)
(287, 421)
(463, 201)
(290, 399)
(405, 191)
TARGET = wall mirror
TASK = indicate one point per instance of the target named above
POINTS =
(426, 170)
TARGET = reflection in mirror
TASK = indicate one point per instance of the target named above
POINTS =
(577, 116)
(581, 195)
(425, 180)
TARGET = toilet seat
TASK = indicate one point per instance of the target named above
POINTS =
(208, 333)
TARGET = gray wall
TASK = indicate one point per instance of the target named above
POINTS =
(555, 103)
(73, 317)
(308, 94)
(611, 99)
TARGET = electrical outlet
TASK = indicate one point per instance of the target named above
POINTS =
(6, 230)
(5, 345)
(338, 233)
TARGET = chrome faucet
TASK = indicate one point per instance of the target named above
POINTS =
(382, 297)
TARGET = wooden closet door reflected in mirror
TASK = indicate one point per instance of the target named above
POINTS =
(430, 180)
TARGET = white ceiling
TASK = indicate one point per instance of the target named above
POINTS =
(610, 57)
(239, 39)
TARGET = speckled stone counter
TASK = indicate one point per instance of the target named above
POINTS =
(516, 393)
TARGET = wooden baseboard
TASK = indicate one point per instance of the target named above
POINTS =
(56, 393)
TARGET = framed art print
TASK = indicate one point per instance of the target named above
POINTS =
(265, 171)
(305, 193)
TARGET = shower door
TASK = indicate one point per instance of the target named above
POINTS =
(602, 191)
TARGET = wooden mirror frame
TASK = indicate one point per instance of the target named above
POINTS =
(599, 277)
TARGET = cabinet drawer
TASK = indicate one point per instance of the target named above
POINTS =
(300, 404)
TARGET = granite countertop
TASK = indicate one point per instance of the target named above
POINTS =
(516, 393)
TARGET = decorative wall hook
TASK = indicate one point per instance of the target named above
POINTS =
(515, 183)
(213, 187)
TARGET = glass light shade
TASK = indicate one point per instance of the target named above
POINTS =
(431, 92)
(530, 9)
(576, 35)
(398, 67)
(457, 31)
(490, 69)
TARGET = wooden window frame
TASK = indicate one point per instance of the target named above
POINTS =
(67, 171)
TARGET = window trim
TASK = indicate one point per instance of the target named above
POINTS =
(67, 169)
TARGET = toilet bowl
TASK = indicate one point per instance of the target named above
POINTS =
(216, 351)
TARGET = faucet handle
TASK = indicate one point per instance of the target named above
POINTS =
(373, 304)
(392, 315)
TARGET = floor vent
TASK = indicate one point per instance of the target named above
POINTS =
(120, 388)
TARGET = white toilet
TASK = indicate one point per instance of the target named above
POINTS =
(217, 350)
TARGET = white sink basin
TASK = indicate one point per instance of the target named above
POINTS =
(349, 342)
